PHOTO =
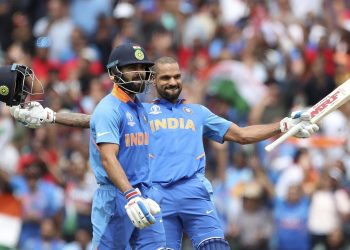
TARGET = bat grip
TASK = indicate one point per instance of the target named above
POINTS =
(284, 137)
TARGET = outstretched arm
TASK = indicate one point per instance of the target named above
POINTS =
(34, 115)
(73, 119)
(252, 134)
(256, 133)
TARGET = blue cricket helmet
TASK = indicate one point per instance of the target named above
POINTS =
(128, 54)
(16, 82)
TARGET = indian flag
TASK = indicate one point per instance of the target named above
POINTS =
(10, 220)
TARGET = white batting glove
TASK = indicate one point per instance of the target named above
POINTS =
(33, 115)
(307, 128)
(139, 209)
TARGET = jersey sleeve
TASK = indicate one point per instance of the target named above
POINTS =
(215, 127)
(106, 123)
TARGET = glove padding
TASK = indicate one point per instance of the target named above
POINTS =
(140, 210)
(307, 128)
(33, 115)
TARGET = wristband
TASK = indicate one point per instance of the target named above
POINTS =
(132, 193)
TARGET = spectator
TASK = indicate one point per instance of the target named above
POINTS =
(330, 205)
(40, 199)
(254, 224)
(82, 241)
(57, 26)
(48, 238)
(291, 215)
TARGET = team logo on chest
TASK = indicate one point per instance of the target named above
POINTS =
(187, 110)
(155, 110)
(130, 119)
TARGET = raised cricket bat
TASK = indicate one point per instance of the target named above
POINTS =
(331, 102)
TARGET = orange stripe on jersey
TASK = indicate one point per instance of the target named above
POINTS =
(120, 94)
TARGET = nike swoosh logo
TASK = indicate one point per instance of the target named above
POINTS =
(103, 133)
(209, 211)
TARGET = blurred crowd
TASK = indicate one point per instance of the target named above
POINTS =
(250, 61)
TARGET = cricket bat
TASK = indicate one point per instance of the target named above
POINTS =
(331, 102)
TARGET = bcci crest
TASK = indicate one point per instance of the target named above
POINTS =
(4, 90)
(130, 119)
(155, 110)
(139, 54)
(187, 110)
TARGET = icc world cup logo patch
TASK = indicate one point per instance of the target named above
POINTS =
(139, 54)
(4, 90)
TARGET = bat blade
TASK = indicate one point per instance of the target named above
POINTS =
(331, 102)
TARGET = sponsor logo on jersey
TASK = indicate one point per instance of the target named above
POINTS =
(136, 139)
(172, 123)
(155, 110)
(130, 119)
(102, 133)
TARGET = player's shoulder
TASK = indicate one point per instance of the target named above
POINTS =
(194, 106)
(107, 106)
(147, 105)
(109, 102)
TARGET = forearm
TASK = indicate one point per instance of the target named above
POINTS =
(73, 119)
(252, 134)
(116, 173)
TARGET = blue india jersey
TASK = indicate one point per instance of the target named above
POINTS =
(176, 140)
(118, 120)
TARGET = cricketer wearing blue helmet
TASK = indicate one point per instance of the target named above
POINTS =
(178, 158)
(119, 138)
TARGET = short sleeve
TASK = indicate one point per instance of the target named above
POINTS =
(106, 124)
(215, 127)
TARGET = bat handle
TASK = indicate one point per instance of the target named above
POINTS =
(284, 137)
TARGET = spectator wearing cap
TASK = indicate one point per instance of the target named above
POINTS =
(254, 225)
(126, 21)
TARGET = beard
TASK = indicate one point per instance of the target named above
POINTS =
(135, 87)
(170, 94)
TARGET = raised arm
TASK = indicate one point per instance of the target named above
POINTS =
(256, 133)
(34, 115)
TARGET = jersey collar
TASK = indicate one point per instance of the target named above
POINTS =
(167, 103)
(120, 94)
